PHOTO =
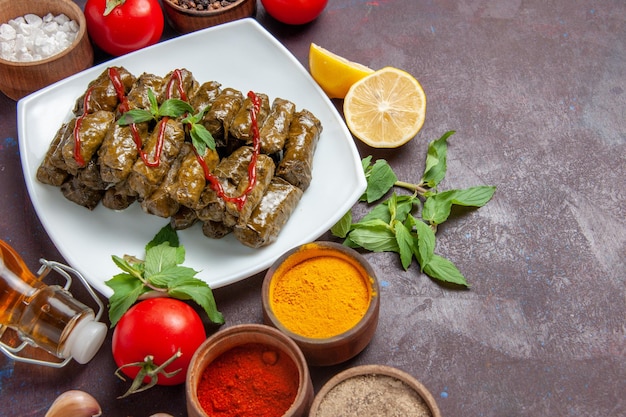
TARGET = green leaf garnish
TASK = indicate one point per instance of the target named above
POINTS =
(161, 271)
(390, 225)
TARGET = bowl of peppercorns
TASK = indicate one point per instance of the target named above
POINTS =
(191, 15)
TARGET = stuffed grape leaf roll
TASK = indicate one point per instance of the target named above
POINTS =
(190, 179)
(52, 170)
(88, 133)
(242, 123)
(168, 136)
(275, 129)
(270, 215)
(102, 94)
(221, 114)
(297, 164)
(119, 151)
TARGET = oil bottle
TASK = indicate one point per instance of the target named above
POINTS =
(47, 316)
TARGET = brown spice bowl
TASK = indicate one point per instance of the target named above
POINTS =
(374, 390)
(330, 331)
(190, 20)
(239, 336)
(18, 79)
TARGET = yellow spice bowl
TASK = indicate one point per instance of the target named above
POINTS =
(324, 296)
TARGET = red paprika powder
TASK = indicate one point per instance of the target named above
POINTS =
(249, 380)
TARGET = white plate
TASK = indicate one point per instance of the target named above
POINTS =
(242, 55)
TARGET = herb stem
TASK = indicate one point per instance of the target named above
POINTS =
(418, 188)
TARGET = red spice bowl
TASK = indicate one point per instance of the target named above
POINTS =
(324, 296)
(248, 370)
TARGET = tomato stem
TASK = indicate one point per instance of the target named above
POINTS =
(148, 370)
(112, 4)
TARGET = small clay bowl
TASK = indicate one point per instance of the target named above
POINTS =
(231, 337)
(190, 20)
(373, 390)
(18, 79)
(333, 349)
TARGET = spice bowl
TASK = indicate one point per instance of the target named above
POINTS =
(185, 19)
(245, 368)
(374, 390)
(18, 78)
(324, 296)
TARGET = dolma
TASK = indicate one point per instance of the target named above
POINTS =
(74, 190)
(90, 177)
(221, 114)
(160, 203)
(265, 168)
(179, 84)
(275, 129)
(215, 230)
(118, 151)
(269, 217)
(101, 93)
(138, 95)
(241, 128)
(119, 196)
(144, 179)
(205, 95)
(92, 129)
(184, 218)
(190, 179)
(47, 172)
(297, 164)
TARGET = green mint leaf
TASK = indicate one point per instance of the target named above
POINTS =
(473, 196)
(375, 236)
(404, 239)
(164, 277)
(160, 258)
(195, 118)
(342, 227)
(174, 107)
(166, 234)
(424, 243)
(436, 161)
(444, 270)
(198, 291)
(366, 162)
(437, 208)
(126, 291)
(135, 116)
(201, 138)
(134, 270)
(154, 105)
(380, 180)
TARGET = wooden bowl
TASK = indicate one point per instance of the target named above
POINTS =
(229, 338)
(18, 79)
(330, 349)
(373, 390)
(187, 20)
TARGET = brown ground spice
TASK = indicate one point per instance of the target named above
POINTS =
(202, 4)
(373, 395)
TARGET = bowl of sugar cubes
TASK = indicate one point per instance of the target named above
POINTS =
(41, 42)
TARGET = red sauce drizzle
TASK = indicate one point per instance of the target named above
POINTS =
(116, 80)
(76, 132)
(177, 75)
(256, 147)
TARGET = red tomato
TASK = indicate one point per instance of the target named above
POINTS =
(130, 24)
(294, 12)
(158, 327)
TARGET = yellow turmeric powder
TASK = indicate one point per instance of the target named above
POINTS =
(320, 296)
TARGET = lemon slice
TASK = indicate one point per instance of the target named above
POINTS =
(385, 109)
(334, 73)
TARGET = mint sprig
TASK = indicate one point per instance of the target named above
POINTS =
(391, 226)
(161, 271)
(172, 107)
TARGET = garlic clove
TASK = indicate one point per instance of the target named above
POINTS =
(74, 403)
